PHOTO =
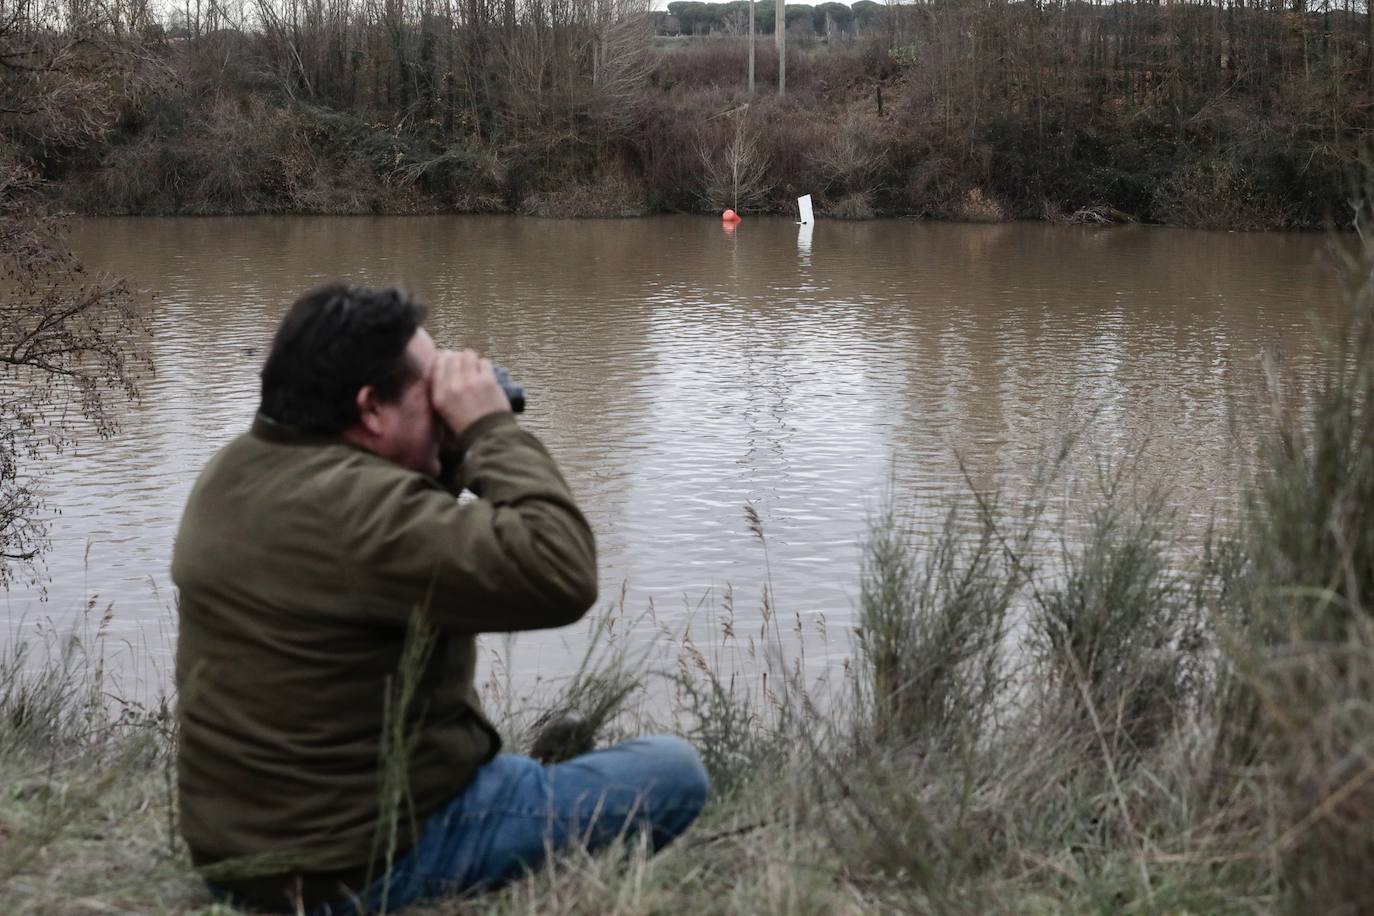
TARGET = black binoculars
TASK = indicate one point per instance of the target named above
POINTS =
(515, 392)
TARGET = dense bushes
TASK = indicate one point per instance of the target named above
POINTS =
(1165, 114)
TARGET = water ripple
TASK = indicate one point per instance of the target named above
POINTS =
(680, 374)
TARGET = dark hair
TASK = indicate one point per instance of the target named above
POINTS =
(333, 341)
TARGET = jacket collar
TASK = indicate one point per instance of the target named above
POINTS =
(269, 430)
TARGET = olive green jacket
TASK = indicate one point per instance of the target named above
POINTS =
(302, 563)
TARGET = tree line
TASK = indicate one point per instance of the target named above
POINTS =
(1222, 112)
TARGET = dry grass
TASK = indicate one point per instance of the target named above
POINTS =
(975, 206)
(852, 206)
(609, 196)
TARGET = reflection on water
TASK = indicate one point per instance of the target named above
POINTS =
(680, 372)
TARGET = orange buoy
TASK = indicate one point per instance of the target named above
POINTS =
(729, 216)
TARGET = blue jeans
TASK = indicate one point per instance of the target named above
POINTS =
(516, 811)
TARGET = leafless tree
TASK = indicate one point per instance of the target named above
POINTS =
(735, 166)
(70, 341)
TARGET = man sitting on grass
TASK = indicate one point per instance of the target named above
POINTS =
(333, 755)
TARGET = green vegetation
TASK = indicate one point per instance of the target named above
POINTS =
(1041, 715)
(1218, 114)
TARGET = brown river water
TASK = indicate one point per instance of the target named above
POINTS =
(680, 372)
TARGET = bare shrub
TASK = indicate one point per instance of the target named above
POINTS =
(723, 63)
(934, 185)
(735, 168)
(850, 157)
(249, 155)
(932, 625)
(788, 135)
(621, 59)
(57, 85)
(1118, 628)
(347, 188)
(236, 156)
(70, 342)
(612, 195)
(470, 174)
(1216, 195)
(713, 63)
(559, 104)
(1091, 216)
(858, 205)
(977, 207)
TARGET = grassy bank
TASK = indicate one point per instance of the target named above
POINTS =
(1123, 722)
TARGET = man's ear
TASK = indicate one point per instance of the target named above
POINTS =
(369, 417)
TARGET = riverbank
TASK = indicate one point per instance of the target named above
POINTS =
(1187, 117)
(1114, 723)
(687, 142)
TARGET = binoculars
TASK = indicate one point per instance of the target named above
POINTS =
(515, 392)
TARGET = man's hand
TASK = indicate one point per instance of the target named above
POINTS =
(463, 389)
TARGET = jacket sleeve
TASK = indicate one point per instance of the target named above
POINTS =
(520, 556)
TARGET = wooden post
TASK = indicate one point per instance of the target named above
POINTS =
(751, 47)
(780, 39)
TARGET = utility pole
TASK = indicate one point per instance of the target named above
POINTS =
(751, 47)
(780, 38)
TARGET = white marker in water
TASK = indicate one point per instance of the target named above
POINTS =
(804, 208)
